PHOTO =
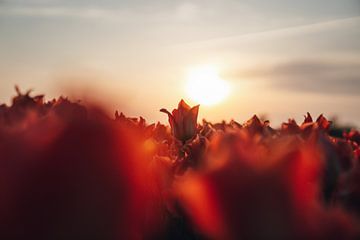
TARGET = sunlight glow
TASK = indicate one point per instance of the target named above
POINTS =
(205, 87)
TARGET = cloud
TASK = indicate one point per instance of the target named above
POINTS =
(56, 12)
(187, 11)
(281, 31)
(113, 11)
(311, 76)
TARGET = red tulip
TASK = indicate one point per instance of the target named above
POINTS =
(249, 191)
(353, 135)
(183, 121)
(69, 174)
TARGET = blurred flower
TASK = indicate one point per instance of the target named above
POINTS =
(353, 135)
(68, 171)
(262, 193)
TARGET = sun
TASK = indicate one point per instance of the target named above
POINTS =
(204, 86)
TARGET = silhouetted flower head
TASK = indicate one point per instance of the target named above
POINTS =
(183, 121)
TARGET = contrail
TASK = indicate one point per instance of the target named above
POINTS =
(297, 28)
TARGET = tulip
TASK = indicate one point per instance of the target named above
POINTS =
(183, 121)
(248, 190)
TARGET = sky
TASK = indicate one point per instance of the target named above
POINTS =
(281, 58)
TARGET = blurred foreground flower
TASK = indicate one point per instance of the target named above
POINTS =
(253, 191)
(69, 171)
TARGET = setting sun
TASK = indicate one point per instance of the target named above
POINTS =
(204, 86)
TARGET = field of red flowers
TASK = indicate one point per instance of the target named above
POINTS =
(71, 172)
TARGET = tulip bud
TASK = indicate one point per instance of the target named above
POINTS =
(183, 121)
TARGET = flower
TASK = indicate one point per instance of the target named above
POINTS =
(255, 190)
(183, 121)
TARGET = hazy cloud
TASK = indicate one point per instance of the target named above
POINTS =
(310, 75)
(60, 12)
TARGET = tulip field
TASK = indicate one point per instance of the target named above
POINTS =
(70, 171)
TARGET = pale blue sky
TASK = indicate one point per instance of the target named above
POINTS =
(282, 58)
